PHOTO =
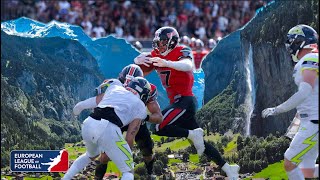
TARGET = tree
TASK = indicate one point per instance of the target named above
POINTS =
(239, 143)
(162, 140)
(140, 169)
(185, 156)
(203, 159)
(161, 156)
(158, 167)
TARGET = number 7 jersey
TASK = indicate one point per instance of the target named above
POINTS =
(177, 83)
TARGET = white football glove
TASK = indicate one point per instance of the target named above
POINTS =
(142, 59)
(269, 112)
(159, 62)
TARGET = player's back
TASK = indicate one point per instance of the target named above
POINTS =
(127, 105)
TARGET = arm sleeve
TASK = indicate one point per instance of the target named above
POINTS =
(304, 91)
(181, 65)
(153, 94)
(86, 104)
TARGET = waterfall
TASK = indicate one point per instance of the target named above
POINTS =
(251, 93)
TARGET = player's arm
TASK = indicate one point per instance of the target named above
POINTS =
(94, 101)
(87, 104)
(156, 115)
(184, 62)
(132, 131)
(310, 70)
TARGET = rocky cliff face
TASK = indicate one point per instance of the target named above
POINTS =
(225, 87)
(41, 80)
(265, 33)
(272, 64)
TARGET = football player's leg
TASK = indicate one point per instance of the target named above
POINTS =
(168, 126)
(308, 163)
(92, 152)
(102, 167)
(300, 148)
(145, 144)
(118, 150)
(104, 159)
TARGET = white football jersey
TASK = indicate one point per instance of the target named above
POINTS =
(311, 104)
(127, 105)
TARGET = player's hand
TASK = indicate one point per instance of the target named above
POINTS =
(143, 59)
(269, 112)
(159, 62)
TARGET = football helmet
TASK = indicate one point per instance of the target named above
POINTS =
(300, 37)
(185, 40)
(212, 43)
(129, 72)
(165, 39)
(138, 45)
(199, 44)
(140, 86)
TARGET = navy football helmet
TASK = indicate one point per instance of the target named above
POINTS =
(140, 86)
(300, 37)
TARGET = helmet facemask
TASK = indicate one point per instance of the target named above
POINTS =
(293, 46)
(163, 45)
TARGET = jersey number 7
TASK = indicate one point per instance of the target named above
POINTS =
(165, 76)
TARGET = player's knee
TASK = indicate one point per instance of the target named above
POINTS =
(288, 165)
(104, 159)
(127, 176)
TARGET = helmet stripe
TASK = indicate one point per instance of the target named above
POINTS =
(131, 71)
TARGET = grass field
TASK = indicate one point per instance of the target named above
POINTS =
(231, 147)
(273, 172)
(179, 144)
(173, 160)
(194, 158)
(157, 138)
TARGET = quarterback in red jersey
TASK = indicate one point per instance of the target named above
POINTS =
(173, 63)
(199, 53)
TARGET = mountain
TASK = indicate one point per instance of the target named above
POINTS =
(272, 64)
(111, 53)
(26, 27)
(41, 81)
(250, 70)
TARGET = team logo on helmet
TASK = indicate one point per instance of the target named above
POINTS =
(170, 34)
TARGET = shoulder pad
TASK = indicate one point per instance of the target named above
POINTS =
(186, 52)
(310, 62)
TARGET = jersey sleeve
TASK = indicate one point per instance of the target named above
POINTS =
(186, 53)
(310, 62)
(140, 111)
(153, 94)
